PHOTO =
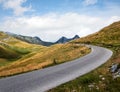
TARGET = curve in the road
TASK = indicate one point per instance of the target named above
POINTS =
(45, 79)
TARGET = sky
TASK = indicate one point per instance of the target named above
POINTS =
(51, 19)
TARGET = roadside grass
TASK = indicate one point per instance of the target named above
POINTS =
(100, 79)
(44, 57)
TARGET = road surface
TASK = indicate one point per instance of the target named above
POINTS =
(45, 79)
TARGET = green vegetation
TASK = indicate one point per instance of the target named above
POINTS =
(8, 54)
(20, 50)
(99, 80)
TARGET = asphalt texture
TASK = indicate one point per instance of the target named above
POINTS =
(44, 79)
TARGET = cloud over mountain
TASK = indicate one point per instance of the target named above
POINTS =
(50, 27)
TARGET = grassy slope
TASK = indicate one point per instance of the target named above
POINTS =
(108, 37)
(12, 50)
(7, 53)
(36, 56)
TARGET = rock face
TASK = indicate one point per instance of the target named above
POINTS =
(115, 70)
(37, 40)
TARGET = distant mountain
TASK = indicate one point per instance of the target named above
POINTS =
(64, 39)
(75, 37)
(37, 40)
(29, 39)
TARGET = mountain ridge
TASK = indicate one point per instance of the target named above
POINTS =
(37, 40)
(64, 39)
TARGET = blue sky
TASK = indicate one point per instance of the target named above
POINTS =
(40, 7)
(51, 19)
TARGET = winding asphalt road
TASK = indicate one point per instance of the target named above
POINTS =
(45, 79)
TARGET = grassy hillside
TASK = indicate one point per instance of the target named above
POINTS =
(35, 56)
(12, 50)
(99, 80)
(109, 35)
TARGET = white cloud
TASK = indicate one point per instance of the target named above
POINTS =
(52, 26)
(114, 18)
(15, 5)
(90, 2)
